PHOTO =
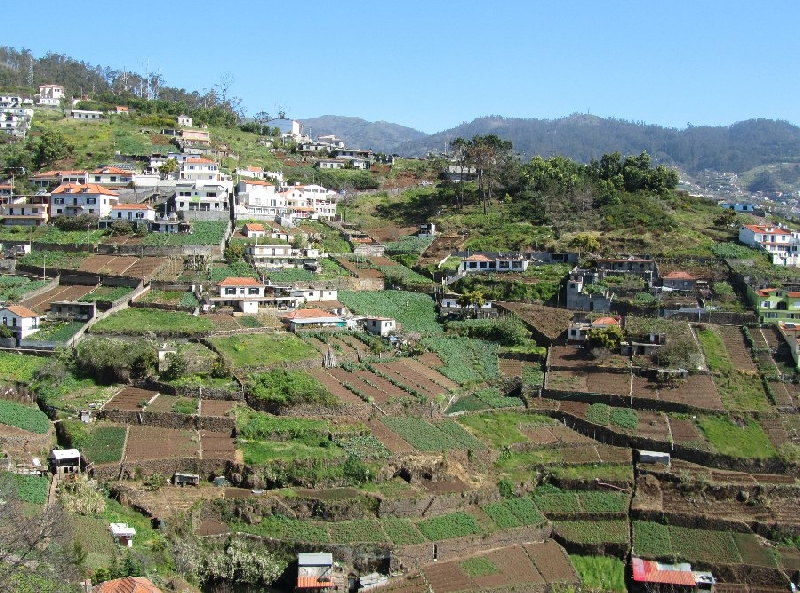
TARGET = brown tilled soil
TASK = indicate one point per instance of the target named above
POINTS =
(738, 352)
(213, 407)
(130, 398)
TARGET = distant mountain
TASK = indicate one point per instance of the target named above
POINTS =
(736, 148)
(379, 136)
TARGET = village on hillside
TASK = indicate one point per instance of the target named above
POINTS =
(220, 377)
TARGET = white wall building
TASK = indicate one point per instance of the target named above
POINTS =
(50, 94)
(781, 244)
(20, 320)
(70, 199)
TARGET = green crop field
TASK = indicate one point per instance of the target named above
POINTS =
(20, 367)
(466, 360)
(25, 417)
(426, 436)
(737, 438)
(456, 524)
(413, 310)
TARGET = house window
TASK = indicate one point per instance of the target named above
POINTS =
(113, 178)
(97, 178)
(60, 211)
(253, 290)
(91, 210)
(230, 291)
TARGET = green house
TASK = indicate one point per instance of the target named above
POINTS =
(775, 304)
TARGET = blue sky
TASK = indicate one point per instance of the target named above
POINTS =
(433, 65)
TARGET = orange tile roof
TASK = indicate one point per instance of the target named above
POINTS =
(114, 170)
(239, 281)
(59, 173)
(679, 275)
(253, 169)
(21, 311)
(250, 226)
(127, 585)
(478, 257)
(132, 207)
(201, 161)
(605, 321)
(89, 188)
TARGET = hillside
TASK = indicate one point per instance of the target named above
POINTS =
(380, 136)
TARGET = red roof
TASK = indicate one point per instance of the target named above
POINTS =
(252, 226)
(478, 257)
(132, 207)
(253, 169)
(200, 161)
(127, 585)
(239, 281)
(257, 182)
(769, 230)
(649, 571)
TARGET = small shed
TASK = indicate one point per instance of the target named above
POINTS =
(186, 479)
(654, 457)
(64, 461)
(381, 326)
(122, 534)
(314, 571)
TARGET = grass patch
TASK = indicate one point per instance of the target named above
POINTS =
(59, 331)
(600, 573)
(20, 367)
(414, 311)
(402, 532)
(261, 350)
(141, 321)
(479, 566)
(714, 350)
(742, 392)
(265, 452)
(737, 438)
(502, 428)
(426, 436)
(593, 532)
(284, 388)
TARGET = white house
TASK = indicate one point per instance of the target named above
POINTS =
(260, 200)
(184, 121)
(478, 262)
(270, 256)
(315, 294)
(50, 94)
(122, 534)
(382, 326)
(111, 176)
(71, 199)
(203, 198)
(132, 213)
(64, 461)
(241, 293)
(450, 301)
(312, 319)
(781, 244)
(254, 229)
(20, 320)
(48, 179)
(86, 115)
(199, 169)
(25, 211)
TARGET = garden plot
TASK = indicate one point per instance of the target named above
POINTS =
(214, 407)
(430, 359)
(698, 391)
(552, 562)
(429, 371)
(570, 357)
(115, 265)
(509, 366)
(426, 436)
(217, 445)
(776, 431)
(738, 351)
(783, 394)
(359, 270)
(389, 438)
(408, 376)
(652, 425)
(447, 577)
(556, 435)
(359, 385)
(685, 431)
(608, 382)
(334, 387)
(65, 292)
(131, 399)
(149, 442)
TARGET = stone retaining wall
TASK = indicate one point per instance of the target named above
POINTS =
(169, 420)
